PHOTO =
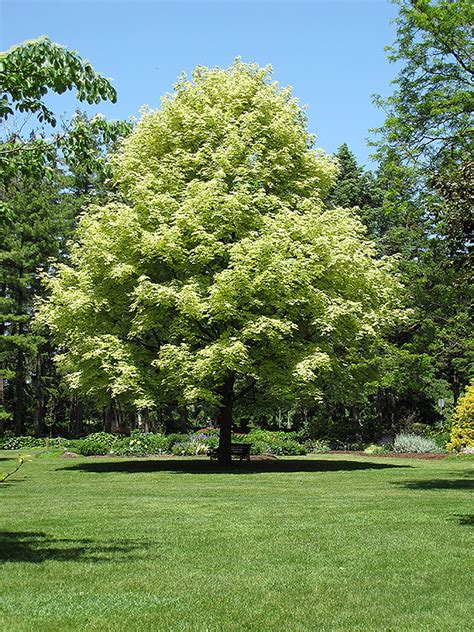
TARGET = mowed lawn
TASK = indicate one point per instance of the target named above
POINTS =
(316, 543)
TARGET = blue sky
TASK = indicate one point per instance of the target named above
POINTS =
(330, 51)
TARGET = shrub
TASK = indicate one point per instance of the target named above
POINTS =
(56, 442)
(462, 430)
(376, 449)
(20, 443)
(148, 443)
(406, 442)
(346, 446)
(72, 445)
(121, 447)
(441, 438)
(269, 442)
(157, 443)
(96, 444)
(286, 448)
(141, 444)
(189, 448)
(317, 446)
(11, 443)
(213, 432)
(176, 437)
(258, 447)
(418, 428)
(195, 444)
(30, 442)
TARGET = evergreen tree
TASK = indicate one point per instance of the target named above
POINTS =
(38, 224)
(425, 155)
(40, 211)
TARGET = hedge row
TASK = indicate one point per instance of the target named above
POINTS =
(200, 442)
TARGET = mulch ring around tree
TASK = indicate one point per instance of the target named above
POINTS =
(394, 455)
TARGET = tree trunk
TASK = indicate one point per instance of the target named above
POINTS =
(19, 380)
(183, 419)
(107, 416)
(455, 387)
(19, 392)
(225, 420)
(146, 420)
(356, 425)
(116, 423)
(119, 422)
(39, 409)
(76, 415)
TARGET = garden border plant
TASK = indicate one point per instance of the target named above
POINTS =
(201, 441)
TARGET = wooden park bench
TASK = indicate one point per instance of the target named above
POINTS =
(241, 450)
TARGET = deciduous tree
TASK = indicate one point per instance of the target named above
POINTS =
(220, 268)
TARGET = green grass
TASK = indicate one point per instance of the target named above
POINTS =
(317, 543)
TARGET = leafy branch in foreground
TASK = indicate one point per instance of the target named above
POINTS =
(21, 460)
(28, 71)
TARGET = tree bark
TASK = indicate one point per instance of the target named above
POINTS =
(116, 417)
(183, 419)
(19, 392)
(76, 416)
(146, 420)
(455, 388)
(39, 391)
(107, 417)
(355, 422)
(19, 380)
(225, 420)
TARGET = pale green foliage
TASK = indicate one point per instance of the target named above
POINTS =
(408, 442)
(222, 258)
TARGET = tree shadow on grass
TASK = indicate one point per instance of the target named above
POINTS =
(439, 483)
(12, 481)
(38, 547)
(197, 466)
(467, 520)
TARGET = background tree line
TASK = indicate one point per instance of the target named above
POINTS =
(417, 204)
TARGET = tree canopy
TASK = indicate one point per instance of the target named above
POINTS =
(218, 268)
(428, 127)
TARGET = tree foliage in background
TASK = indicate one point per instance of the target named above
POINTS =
(425, 155)
(429, 116)
(39, 222)
(220, 270)
(43, 185)
(39, 218)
